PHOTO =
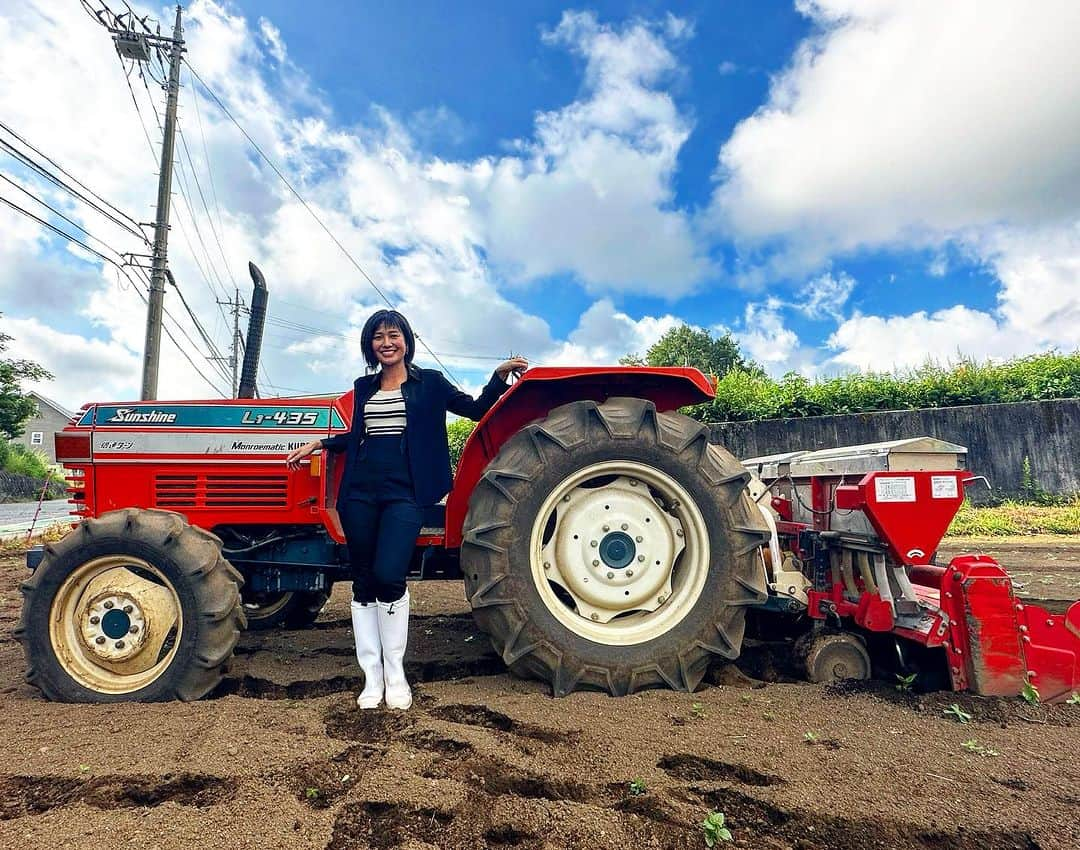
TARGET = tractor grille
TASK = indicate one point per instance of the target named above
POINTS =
(221, 491)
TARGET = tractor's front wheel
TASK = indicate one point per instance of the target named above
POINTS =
(133, 605)
(611, 546)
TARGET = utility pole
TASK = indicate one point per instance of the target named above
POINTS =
(235, 306)
(134, 45)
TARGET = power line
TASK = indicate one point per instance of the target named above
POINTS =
(121, 269)
(183, 230)
(60, 232)
(206, 153)
(39, 169)
(54, 211)
(307, 207)
(206, 208)
(71, 176)
(185, 194)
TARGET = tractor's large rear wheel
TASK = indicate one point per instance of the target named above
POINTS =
(611, 546)
(133, 605)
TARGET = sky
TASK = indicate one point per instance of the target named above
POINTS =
(842, 185)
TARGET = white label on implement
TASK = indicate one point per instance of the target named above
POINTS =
(943, 487)
(894, 489)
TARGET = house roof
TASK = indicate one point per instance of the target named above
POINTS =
(59, 408)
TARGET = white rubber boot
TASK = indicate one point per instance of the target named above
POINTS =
(394, 634)
(365, 627)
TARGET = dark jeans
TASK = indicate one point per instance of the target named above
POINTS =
(381, 519)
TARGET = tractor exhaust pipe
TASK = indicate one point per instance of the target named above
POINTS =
(254, 333)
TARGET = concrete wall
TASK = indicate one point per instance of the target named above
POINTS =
(998, 438)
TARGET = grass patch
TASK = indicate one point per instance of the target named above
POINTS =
(18, 544)
(1012, 518)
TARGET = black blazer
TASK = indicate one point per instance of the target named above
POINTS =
(428, 396)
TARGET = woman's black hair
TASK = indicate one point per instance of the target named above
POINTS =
(390, 319)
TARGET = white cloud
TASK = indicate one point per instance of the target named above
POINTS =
(897, 342)
(604, 334)
(589, 194)
(910, 124)
(592, 193)
(826, 295)
(764, 337)
(76, 361)
(908, 119)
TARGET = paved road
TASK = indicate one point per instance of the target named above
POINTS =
(16, 517)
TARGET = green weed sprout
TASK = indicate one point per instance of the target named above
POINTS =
(714, 829)
(904, 683)
(973, 746)
(637, 788)
(1073, 700)
(1030, 694)
(957, 712)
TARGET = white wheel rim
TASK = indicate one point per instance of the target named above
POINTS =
(112, 629)
(611, 563)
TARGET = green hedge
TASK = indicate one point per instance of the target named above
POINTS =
(21, 460)
(743, 395)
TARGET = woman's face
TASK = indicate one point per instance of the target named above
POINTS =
(389, 345)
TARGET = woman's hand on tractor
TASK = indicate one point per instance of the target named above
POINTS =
(515, 365)
(294, 458)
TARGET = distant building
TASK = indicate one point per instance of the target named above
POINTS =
(40, 427)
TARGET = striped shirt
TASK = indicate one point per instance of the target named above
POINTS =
(384, 414)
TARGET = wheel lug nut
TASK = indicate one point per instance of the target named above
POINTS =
(566, 498)
(633, 482)
(128, 609)
(661, 599)
(611, 575)
(639, 538)
(547, 565)
(119, 644)
(108, 604)
(595, 563)
(641, 558)
(95, 620)
(594, 616)
(629, 573)
(607, 528)
(100, 640)
(134, 630)
(624, 526)
(593, 543)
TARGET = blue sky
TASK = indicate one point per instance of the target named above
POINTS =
(841, 185)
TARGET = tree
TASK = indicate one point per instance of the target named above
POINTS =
(457, 432)
(690, 346)
(15, 405)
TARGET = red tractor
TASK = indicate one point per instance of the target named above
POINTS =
(603, 541)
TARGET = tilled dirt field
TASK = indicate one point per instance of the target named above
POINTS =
(280, 756)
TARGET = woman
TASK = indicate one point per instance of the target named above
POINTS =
(397, 461)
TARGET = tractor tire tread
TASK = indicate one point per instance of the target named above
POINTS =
(490, 529)
(217, 621)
